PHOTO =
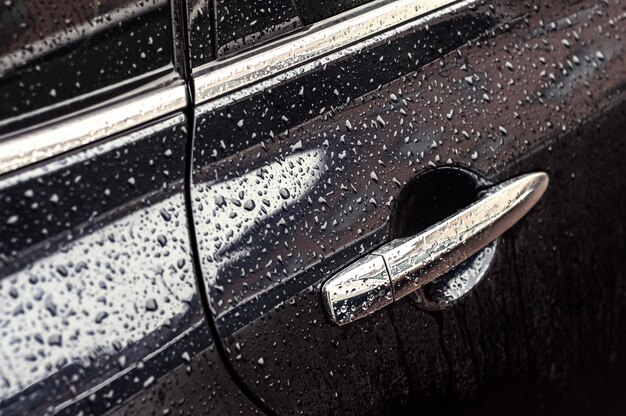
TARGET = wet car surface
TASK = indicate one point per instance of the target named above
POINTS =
(180, 179)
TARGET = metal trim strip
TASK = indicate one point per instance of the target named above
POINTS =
(24, 148)
(213, 80)
(221, 77)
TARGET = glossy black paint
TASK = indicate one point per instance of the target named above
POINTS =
(101, 307)
(275, 111)
(314, 11)
(241, 24)
(201, 36)
(74, 269)
(98, 290)
(56, 57)
(292, 184)
(219, 28)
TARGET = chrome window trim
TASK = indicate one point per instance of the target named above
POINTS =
(150, 102)
(221, 77)
(224, 100)
(244, 74)
(161, 75)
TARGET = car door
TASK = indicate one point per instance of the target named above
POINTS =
(304, 144)
(99, 308)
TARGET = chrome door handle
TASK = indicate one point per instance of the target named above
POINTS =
(406, 264)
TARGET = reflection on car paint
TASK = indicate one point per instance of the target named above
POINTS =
(486, 104)
(226, 211)
(102, 293)
(96, 261)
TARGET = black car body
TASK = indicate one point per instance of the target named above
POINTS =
(179, 179)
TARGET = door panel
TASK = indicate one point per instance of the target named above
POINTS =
(267, 254)
(296, 178)
(79, 230)
(94, 263)
(99, 47)
(98, 300)
(99, 307)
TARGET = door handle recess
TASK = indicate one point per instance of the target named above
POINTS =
(406, 264)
